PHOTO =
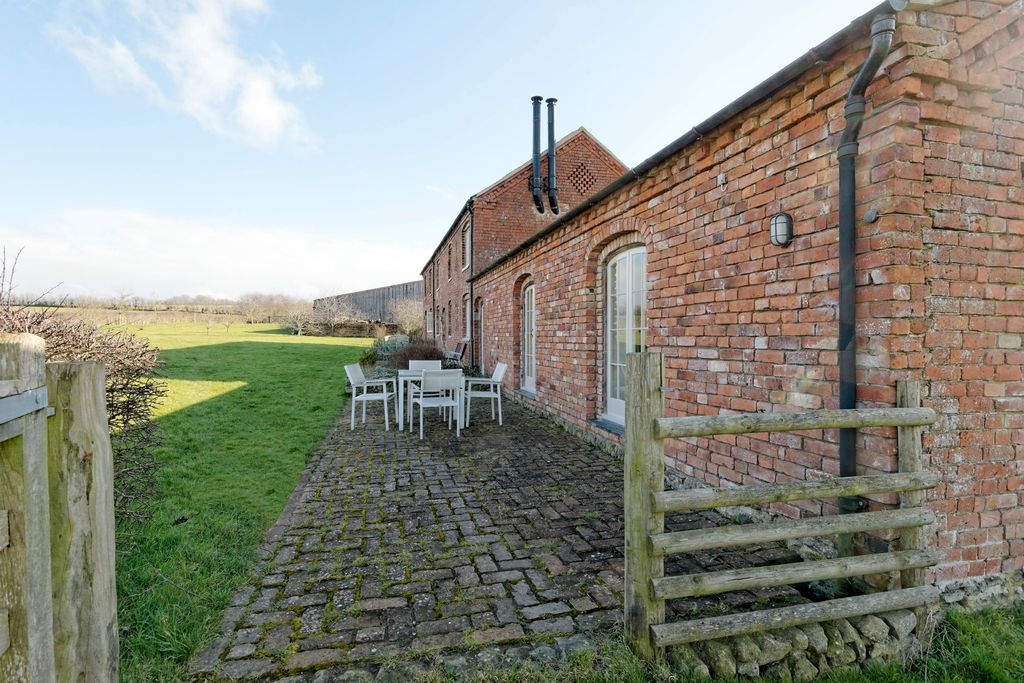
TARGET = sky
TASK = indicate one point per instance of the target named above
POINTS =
(313, 147)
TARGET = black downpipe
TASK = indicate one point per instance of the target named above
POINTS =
(535, 187)
(882, 29)
(472, 303)
(552, 183)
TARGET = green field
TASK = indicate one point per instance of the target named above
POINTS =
(244, 410)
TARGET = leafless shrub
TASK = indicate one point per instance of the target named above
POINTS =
(417, 350)
(132, 393)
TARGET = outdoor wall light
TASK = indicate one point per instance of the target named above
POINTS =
(781, 229)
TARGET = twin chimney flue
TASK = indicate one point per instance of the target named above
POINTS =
(549, 184)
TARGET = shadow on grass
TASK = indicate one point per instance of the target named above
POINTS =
(281, 331)
(227, 467)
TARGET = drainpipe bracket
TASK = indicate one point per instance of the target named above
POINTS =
(848, 149)
(855, 105)
(849, 504)
(883, 23)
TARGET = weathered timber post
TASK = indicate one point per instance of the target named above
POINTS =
(26, 601)
(644, 476)
(81, 466)
(908, 395)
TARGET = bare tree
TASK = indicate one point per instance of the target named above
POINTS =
(298, 316)
(332, 313)
(408, 315)
(253, 307)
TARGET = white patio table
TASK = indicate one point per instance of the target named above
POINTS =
(401, 382)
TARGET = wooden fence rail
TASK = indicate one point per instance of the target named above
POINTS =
(646, 502)
(58, 610)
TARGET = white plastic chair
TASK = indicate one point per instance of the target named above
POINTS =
(491, 389)
(418, 366)
(358, 381)
(422, 365)
(440, 389)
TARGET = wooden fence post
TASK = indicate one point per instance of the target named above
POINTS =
(82, 523)
(25, 588)
(644, 476)
(908, 395)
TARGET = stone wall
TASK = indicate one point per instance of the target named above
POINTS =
(803, 652)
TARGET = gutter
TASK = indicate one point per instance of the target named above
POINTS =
(765, 89)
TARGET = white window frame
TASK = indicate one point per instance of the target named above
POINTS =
(528, 346)
(614, 367)
(467, 246)
(467, 311)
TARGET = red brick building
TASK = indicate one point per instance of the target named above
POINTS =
(495, 220)
(675, 257)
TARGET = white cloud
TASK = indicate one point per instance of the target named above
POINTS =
(105, 252)
(186, 57)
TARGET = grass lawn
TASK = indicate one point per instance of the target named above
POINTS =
(244, 409)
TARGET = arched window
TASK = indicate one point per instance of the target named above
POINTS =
(529, 344)
(625, 323)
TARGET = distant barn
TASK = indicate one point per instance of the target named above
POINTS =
(378, 303)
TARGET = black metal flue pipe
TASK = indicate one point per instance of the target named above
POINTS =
(552, 183)
(882, 29)
(535, 186)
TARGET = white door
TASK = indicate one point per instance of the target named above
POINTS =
(626, 324)
(529, 340)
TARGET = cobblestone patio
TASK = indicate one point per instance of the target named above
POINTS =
(503, 545)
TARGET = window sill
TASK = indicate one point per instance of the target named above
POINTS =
(609, 426)
(528, 394)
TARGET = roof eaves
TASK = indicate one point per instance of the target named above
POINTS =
(455, 224)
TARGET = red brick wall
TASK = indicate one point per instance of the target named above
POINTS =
(451, 285)
(503, 217)
(746, 326)
(971, 271)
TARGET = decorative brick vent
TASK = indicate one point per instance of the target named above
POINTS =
(582, 179)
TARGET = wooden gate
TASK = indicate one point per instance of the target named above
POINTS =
(58, 610)
(646, 503)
